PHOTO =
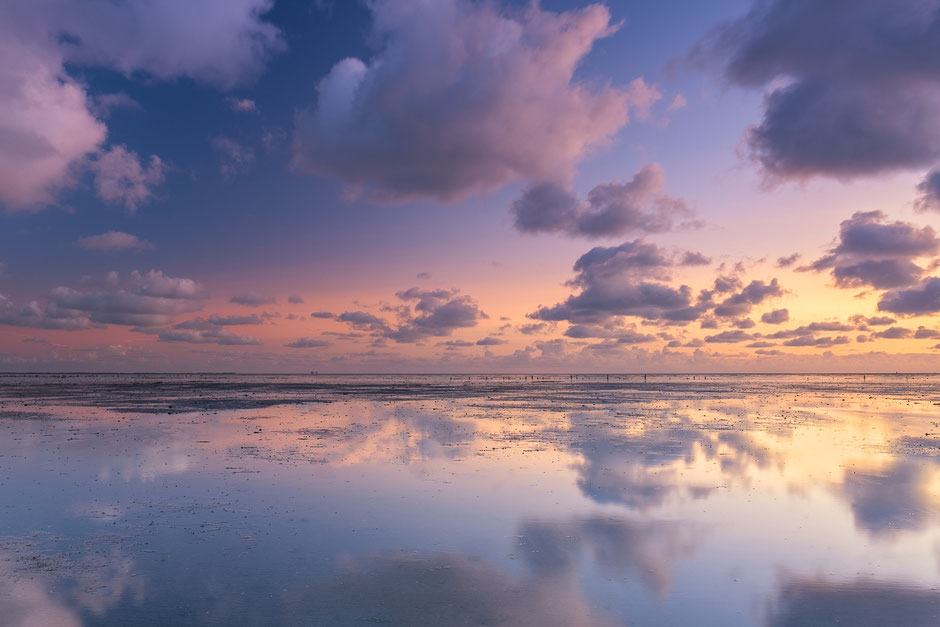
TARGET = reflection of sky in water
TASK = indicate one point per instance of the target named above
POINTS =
(792, 501)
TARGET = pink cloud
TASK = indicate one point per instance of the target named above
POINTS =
(464, 97)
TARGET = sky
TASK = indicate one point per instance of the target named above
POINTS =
(464, 186)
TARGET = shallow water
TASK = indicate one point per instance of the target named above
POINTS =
(311, 500)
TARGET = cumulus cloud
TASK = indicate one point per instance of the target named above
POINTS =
(625, 280)
(777, 316)
(34, 316)
(754, 293)
(730, 337)
(307, 342)
(611, 209)
(426, 313)
(252, 299)
(143, 300)
(920, 300)
(463, 97)
(113, 241)
(48, 123)
(869, 104)
(207, 336)
(121, 179)
(877, 253)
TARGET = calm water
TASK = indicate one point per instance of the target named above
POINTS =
(232, 500)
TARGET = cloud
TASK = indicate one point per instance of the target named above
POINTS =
(491, 341)
(293, 299)
(611, 209)
(113, 241)
(463, 97)
(437, 313)
(877, 253)
(894, 333)
(917, 301)
(924, 333)
(307, 342)
(209, 336)
(929, 188)
(49, 127)
(322, 314)
(235, 158)
(869, 104)
(777, 316)
(753, 293)
(34, 316)
(786, 262)
(730, 337)
(143, 300)
(811, 340)
(121, 179)
(242, 105)
(623, 280)
(46, 126)
(252, 299)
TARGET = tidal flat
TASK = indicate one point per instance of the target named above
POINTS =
(773, 500)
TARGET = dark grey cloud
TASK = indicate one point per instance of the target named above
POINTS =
(436, 313)
(252, 299)
(745, 323)
(533, 328)
(322, 314)
(812, 340)
(463, 97)
(307, 342)
(730, 337)
(916, 301)
(873, 252)
(923, 333)
(610, 210)
(625, 280)
(786, 262)
(210, 336)
(869, 104)
(894, 333)
(690, 258)
(754, 293)
(810, 329)
(150, 299)
(35, 316)
(929, 190)
(777, 316)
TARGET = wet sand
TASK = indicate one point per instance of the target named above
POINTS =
(483, 500)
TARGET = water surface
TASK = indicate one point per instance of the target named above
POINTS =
(312, 500)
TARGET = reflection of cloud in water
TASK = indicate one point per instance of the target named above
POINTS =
(859, 603)
(440, 590)
(93, 579)
(896, 498)
(647, 548)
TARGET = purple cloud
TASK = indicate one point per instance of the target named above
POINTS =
(463, 97)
